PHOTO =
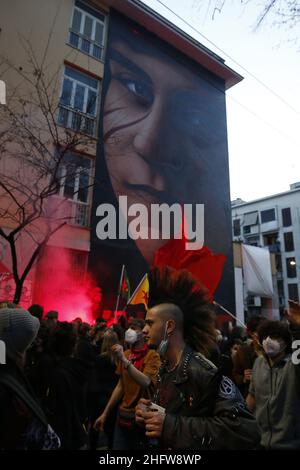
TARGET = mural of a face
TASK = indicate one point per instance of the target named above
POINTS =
(163, 140)
(152, 113)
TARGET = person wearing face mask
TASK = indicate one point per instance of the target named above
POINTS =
(274, 388)
(194, 406)
(137, 370)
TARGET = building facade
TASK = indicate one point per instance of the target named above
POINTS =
(273, 222)
(64, 44)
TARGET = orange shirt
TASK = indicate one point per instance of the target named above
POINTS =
(133, 391)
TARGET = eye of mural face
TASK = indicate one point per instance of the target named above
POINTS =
(141, 90)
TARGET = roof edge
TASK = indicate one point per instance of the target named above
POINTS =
(176, 37)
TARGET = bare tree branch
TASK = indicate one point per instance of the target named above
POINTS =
(34, 150)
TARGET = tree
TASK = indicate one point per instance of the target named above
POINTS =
(283, 13)
(286, 12)
(33, 153)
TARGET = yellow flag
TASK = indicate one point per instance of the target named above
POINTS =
(141, 293)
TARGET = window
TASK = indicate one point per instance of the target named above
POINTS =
(286, 217)
(280, 288)
(289, 241)
(254, 241)
(78, 101)
(293, 292)
(87, 31)
(236, 227)
(250, 218)
(278, 262)
(74, 177)
(291, 268)
(267, 216)
(79, 264)
(247, 229)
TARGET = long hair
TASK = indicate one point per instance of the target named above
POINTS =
(110, 338)
(179, 287)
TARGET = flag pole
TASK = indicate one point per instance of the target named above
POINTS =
(136, 289)
(120, 284)
(229, 313)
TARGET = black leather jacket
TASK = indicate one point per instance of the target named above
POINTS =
(204, 410)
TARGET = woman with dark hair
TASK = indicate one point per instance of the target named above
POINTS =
(102, 382)
(137, 371)
(233, 346)
(275, 382)
(246, 355)
(162, 141)
(197, 407)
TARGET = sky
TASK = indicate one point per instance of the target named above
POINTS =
(263, 132)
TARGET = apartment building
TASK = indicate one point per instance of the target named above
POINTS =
(66, 41)
(273, 222)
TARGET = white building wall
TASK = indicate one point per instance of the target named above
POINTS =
(289, 199)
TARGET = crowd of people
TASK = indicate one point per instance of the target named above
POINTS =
(169, 381)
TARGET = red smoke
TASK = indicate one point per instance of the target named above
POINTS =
(62, 284)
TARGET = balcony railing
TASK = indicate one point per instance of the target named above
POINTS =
(76, 120)
(72, 212)
(86, 45)
(80, 213)
(274, 248)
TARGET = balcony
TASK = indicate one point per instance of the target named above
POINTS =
(80, 213)
(86, 45)
(274, 248)
(253, 301)
(77, 121)
(269, 226)
(72, 212)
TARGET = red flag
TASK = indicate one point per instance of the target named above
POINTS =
(203, 264)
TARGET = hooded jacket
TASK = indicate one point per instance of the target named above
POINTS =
(276, 391)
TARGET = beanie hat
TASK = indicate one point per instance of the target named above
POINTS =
(18, 329)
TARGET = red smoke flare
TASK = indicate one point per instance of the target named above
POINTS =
(63, 285)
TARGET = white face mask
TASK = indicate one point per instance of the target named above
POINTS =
(272, 347)
(131, 336)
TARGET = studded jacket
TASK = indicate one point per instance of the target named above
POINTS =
(204, 410)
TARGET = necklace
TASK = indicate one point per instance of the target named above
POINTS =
(171, 369)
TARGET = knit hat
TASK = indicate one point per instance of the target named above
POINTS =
(18, 329)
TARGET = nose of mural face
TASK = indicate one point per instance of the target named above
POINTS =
(147, 135)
